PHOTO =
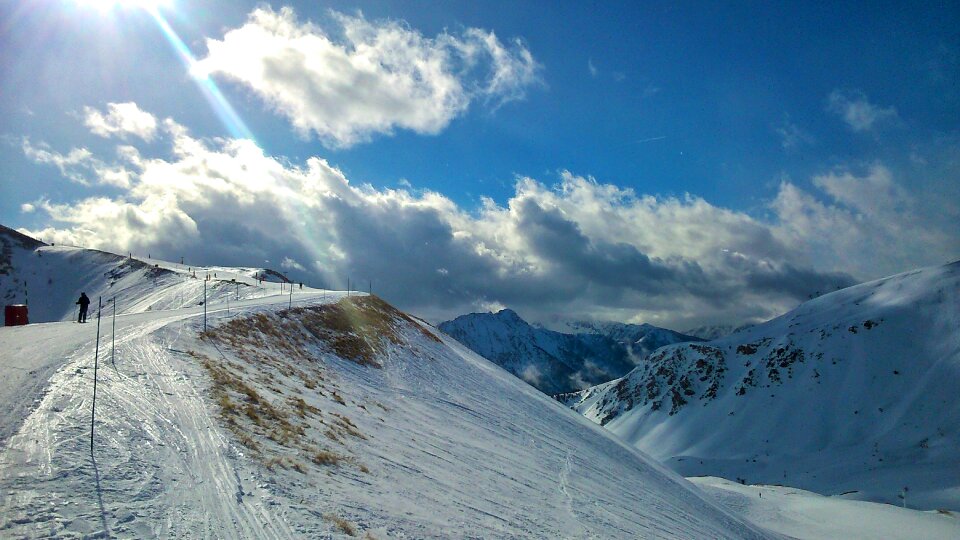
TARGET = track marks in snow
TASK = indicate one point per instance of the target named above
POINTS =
(162, 469)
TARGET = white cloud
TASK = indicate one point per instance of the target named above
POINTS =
(79, 164)
(27, 208)
(579, 248)
(791, 136)
(859, 114)
(291, 264)
(371, 78)
(872, 226)
(594, 72)
(120, 120)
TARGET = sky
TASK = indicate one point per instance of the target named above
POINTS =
(672, 163)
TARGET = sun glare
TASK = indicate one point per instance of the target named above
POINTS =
(105, 5)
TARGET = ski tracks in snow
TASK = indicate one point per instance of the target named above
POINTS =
(163, 467)
(564, 481)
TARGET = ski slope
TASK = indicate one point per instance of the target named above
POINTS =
(425, 440)
(50, 279)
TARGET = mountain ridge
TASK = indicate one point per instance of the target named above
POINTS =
(849, 391)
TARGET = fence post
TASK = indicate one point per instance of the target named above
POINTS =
(204, 306)
(96, 359)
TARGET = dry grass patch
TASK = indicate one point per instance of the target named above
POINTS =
(345, 526)
(325, 457)
(238, 399)
(355, 328)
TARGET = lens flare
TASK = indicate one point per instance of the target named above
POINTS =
(228, 116)
(105, 5)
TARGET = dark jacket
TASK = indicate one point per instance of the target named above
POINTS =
(83, 301)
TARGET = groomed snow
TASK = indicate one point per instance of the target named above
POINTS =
(446, 444)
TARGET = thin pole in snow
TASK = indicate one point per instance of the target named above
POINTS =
(204, 306)
(113, 335)
(238, 291)
(96, 359)
(290, 305)
(370, 288)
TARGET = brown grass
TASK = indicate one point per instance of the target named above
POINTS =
(236, 398)
(345, 526)
(325, 457)
(255, 386)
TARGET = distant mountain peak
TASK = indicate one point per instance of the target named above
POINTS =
(509, 315)
(557, 362)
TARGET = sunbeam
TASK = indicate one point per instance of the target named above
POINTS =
(228, 116)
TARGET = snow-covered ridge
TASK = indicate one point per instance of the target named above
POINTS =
(854, 390)
(50, 279)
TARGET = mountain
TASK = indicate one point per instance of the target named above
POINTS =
(337, 418)
(550, 361)
(639, 339)
(715, 331)
(853, 391)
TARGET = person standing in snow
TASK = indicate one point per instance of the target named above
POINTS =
(83, 302)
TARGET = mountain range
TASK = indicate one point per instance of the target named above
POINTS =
(556, 362)
(854, 391)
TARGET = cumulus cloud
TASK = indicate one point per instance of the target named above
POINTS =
(80, 165)
(369, 77)
(859, 114)
(578, 248)
(120, 120)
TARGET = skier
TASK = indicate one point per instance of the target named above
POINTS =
(83, 302)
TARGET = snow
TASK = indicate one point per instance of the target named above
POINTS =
(553, 361)
(50, 279)
(435, 443)
(853, 391)
(805, 515)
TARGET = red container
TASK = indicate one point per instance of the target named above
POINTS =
(15, 315)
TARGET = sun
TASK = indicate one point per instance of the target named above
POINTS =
(105, 5)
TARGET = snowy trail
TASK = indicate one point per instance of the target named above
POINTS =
(162, 467)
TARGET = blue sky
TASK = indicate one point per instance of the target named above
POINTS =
(676, 164)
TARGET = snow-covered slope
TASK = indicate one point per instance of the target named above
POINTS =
(550, 361)
(715, 331)
(319, 421)
(639, 339)
(50, 279)
(853, 391)
(809, 516)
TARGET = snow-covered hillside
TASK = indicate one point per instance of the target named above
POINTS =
(339, 417)
(853, 391)
(550, 361)
(715, 331)
(639, 339)
(50, 279)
